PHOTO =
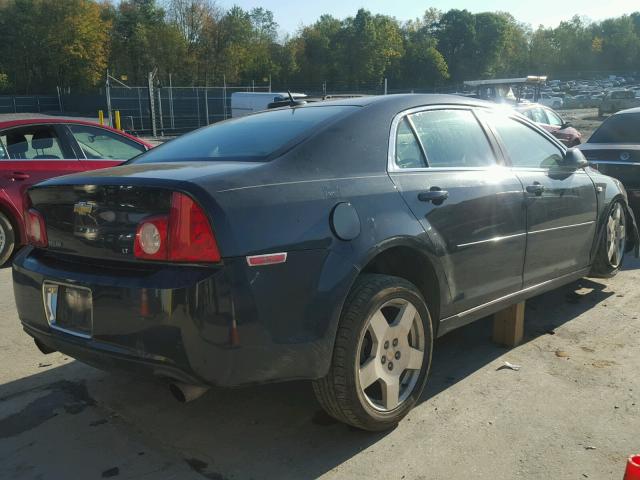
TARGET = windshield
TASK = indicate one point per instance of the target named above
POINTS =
(624, 128)
(253, 138)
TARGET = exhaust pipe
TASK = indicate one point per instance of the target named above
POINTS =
(184, 392)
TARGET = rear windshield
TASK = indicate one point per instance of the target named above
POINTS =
(253, 138)
(623, 128)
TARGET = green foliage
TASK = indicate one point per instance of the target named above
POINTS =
(49, 43)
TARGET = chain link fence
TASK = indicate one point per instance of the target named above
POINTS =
(176, 109)
(29, 103)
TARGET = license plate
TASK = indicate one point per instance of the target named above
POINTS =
(68, 308)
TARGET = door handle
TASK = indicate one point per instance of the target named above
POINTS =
(435, 195)
(18, 176)
(536, 189)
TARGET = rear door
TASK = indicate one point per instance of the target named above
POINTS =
(444, 165)
(561, 202)
(33, 153)
(101, 148)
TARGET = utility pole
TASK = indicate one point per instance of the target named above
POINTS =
(107, 87)
(173, 126)
(152, 102)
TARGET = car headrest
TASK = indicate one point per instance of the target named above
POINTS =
(17, 144)
(41, 139)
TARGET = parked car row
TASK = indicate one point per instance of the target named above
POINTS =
(609, 94)
(332, 242)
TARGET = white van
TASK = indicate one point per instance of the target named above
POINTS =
(244, 103)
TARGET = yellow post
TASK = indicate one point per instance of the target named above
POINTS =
(101, 117)
(118, 120)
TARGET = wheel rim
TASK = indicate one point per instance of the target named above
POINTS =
(390, 355)
(615, 235)
(3, 239)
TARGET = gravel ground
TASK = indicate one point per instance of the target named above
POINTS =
(571, 412)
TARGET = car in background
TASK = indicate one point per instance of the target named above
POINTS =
(614, 149)
(551, 100)
(330, 242)
(33, 150)
(551, 122)
(616, 100)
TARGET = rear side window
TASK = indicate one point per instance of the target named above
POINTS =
(452, 138)
(408, 151)
(98, 143)
(623, 128)
(32, 143)
(525, 147)
(250, 138)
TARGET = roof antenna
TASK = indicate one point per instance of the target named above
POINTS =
(293, 102)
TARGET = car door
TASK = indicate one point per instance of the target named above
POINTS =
(444, 165)
(33, 153)
(98, 147)
(561, 202)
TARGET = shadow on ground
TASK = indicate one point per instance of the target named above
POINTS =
(275, 431)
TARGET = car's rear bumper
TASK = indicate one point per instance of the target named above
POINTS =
(227, 326)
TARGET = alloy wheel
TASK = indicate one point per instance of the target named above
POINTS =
(3, 238)
(616, 235)
(390, 355)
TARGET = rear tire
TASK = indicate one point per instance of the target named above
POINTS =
(384, 340)
(7, 239)
(612, 245)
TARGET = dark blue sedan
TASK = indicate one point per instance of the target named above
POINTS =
(330, 242)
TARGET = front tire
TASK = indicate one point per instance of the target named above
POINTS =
(7, 239)
(612, 244)
(382, 354)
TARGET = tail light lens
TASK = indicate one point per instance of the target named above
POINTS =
(36, 228)
(151, 239)
(185, 235)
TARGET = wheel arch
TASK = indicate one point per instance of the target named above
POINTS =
(14, 217)
(407, 258)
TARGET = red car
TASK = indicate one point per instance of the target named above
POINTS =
(36, 149)
(551, 122)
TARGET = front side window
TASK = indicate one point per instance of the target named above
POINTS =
(453, 138)
(32, 143)
(98, 143)
(525, 146)
(621, 128)
(554, 119)
(252, 138)
(537, 115)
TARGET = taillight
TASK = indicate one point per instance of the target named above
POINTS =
(185, 235)
(36, 228)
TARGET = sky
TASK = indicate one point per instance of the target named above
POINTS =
(291, 15)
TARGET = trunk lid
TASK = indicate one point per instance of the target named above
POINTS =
(97, 221)
(96, 214)
(618, 161)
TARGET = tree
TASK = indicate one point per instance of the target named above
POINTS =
(456, 34)
(37, 58)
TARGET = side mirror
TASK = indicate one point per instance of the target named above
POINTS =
(566, 124)
(574, 158)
